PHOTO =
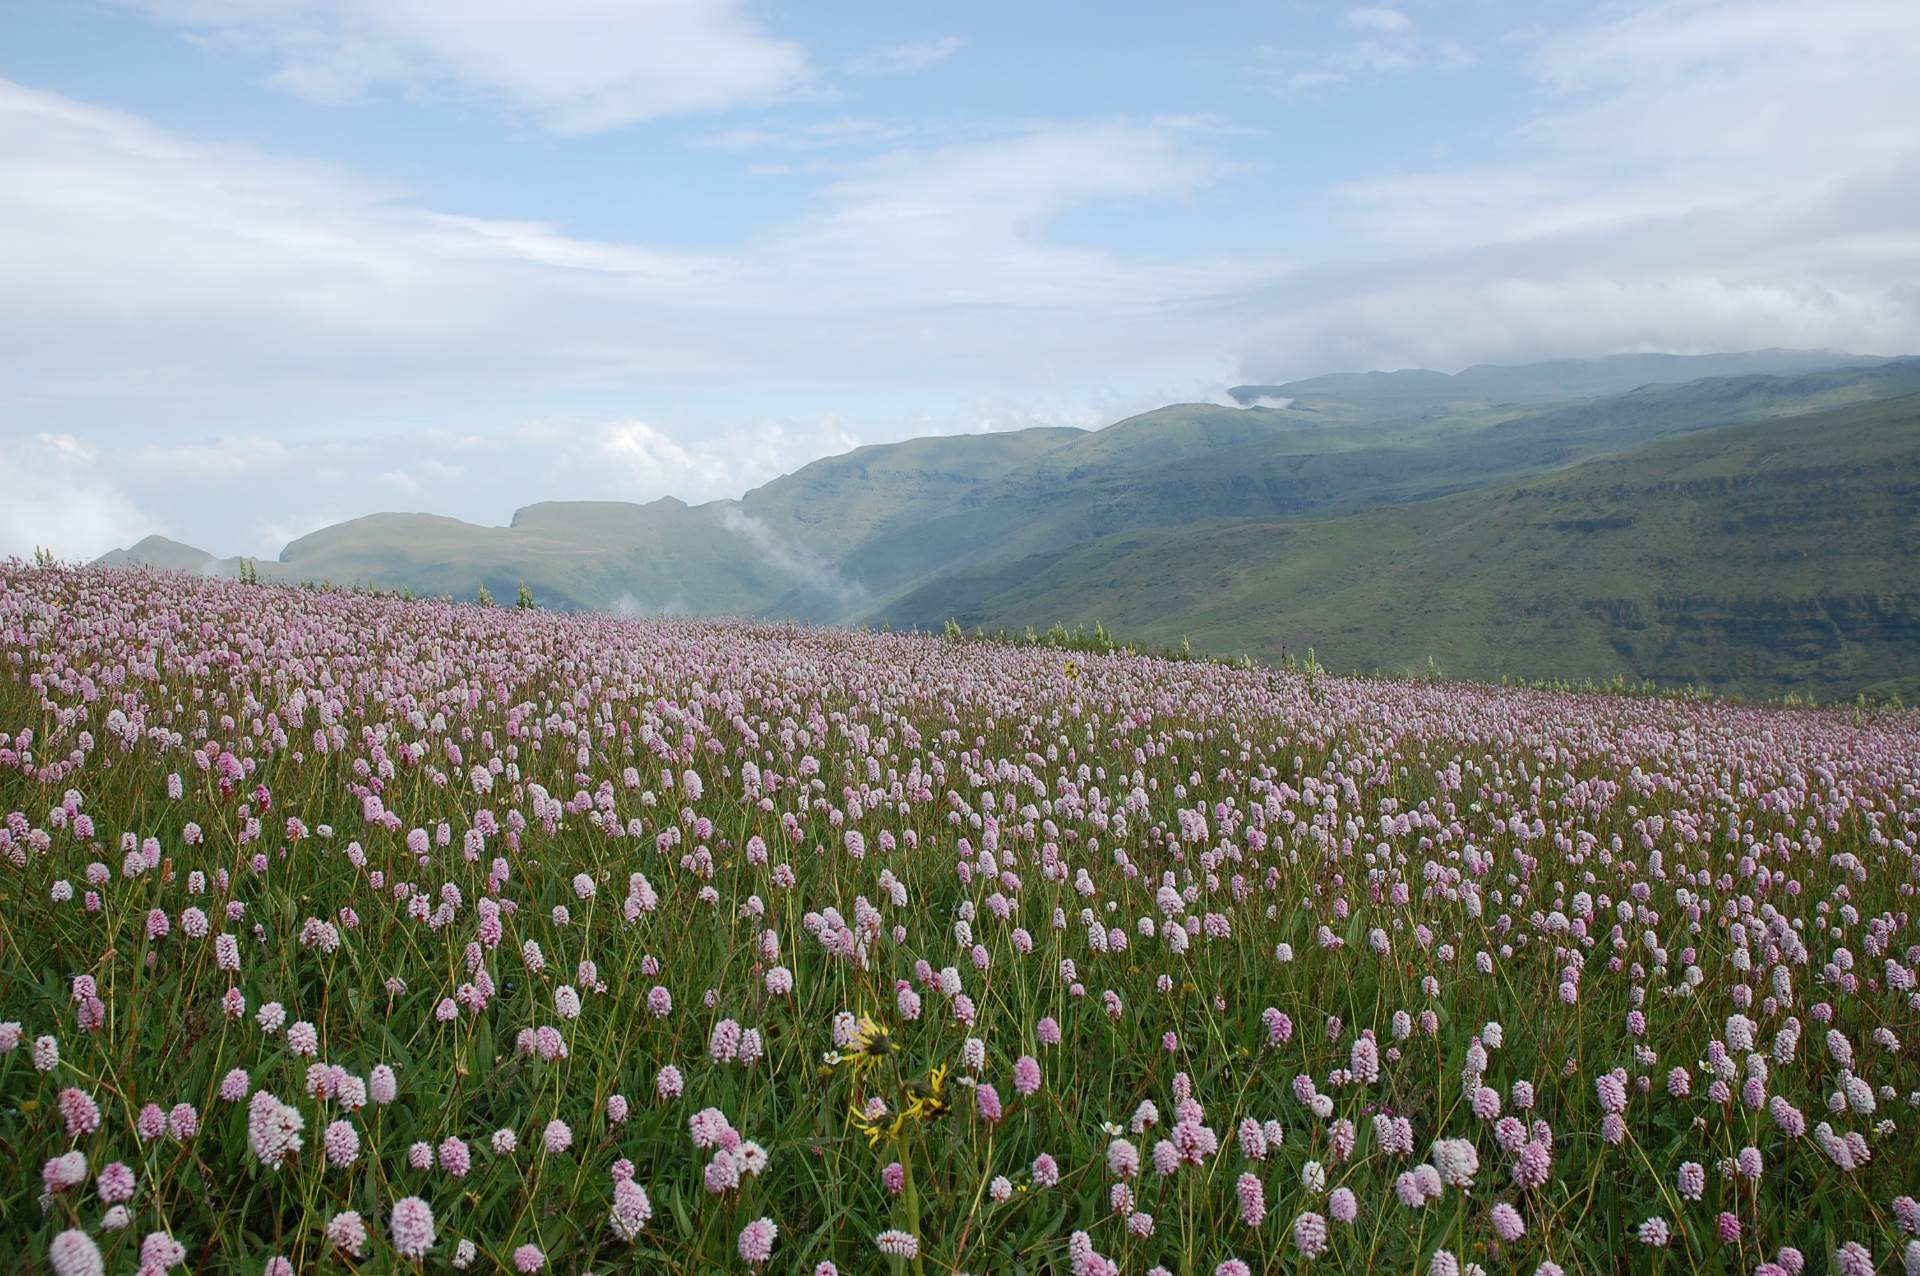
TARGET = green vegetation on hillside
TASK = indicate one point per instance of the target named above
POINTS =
(1150, 517)
(1769, 558)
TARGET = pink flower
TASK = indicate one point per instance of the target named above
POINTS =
(1342, 1205)
(273, 1129)
(897, 1244)
(80, 1112)
(1252, 1195)
(1026, 1076)
(756, 1241)
(1853, 1259)
(73, 1253)
(1310, 1235)
(347, 1233)
(64, 1171)
(631, 1209)
(528, 1259)
(342, 1143)
(708, 1127)
(412, 1226)
(116, 1183)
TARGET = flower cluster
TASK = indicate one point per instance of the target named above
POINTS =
(348, 931)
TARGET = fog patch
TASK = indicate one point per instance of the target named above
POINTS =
(791, 559)
(673, 608)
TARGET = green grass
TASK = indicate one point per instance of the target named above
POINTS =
(1131, 525)
(1125, 752)
(1766, 559)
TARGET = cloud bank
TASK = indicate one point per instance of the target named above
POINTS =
(219, 332)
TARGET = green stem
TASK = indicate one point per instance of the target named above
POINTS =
(912, 1199)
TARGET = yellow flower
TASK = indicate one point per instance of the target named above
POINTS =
(871, 1128)
(871, 1043)
(1073, 669)
(925, 1102)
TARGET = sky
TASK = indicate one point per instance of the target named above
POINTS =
(270, 264)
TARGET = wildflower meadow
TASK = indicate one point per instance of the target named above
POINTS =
(342, 933)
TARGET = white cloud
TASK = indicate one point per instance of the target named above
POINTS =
(905, 59)
(1387, 43)
(224, 327)
(631, 606)
(790, 558)
(1388, 20)
(1698, 176)
(655, 461)
(965, 225)
(247, 455)
(635, 460)
(578, 66)
(821, 135)
(249, 279)
(56, 498)
(1674, 108)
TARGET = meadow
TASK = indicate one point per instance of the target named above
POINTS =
(347, 933)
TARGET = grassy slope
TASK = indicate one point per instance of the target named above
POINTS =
(840, 502)
(1194, 463)
(167, 555)
(926, 525)
(663, 556)
(1553, 379)
(1778, 556)
(658, 557)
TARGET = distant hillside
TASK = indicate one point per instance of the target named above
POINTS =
(158, 551)
(1771, 557)
(1196, 463)
(1554, 379)
(981, 526)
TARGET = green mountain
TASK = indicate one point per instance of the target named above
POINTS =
(1768, 557)
(992, 528)
(168, 556)
(1554, 379)
(1197, 463)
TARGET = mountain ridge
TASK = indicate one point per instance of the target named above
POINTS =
(907, 530)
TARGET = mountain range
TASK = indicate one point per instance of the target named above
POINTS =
(1747, 522)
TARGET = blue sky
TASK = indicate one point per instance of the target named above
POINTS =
(274, 263)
